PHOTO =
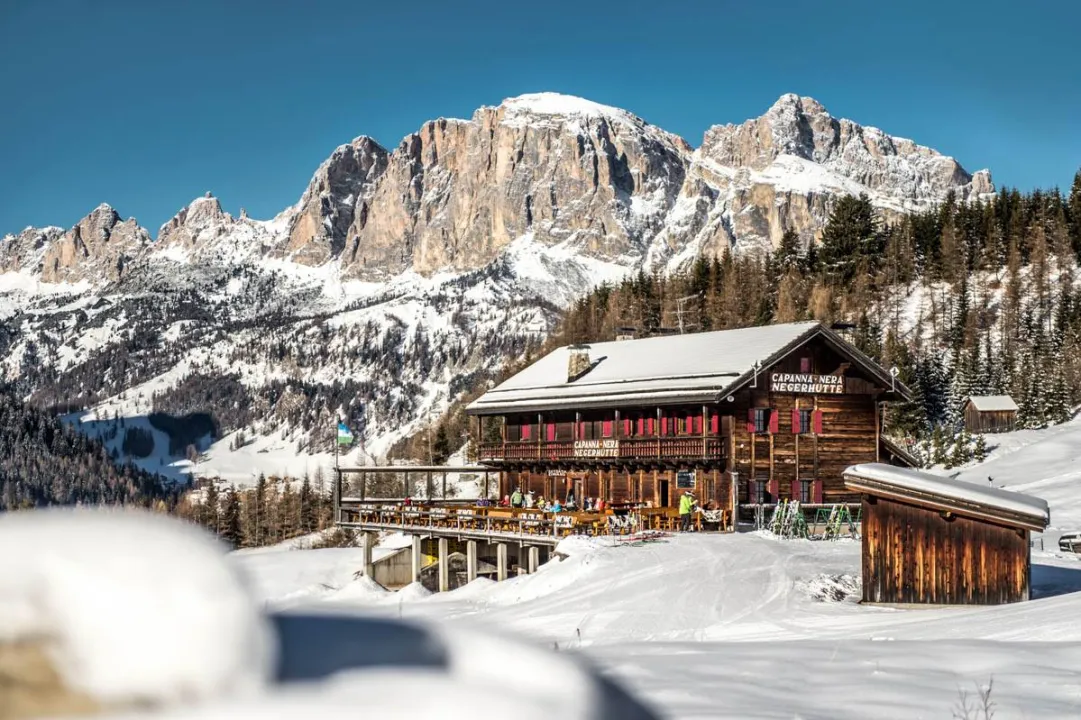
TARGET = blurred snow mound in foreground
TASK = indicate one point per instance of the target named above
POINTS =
(134, 608)
(143, 614)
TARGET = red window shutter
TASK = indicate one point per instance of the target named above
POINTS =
(794, 490)
(715, 424)
(796, 429)
(750, 420)
(697, 424)
(664, 426)
(641, 425)
(816, 422)
(526, 431)
(651, 426)
(816, 491)
(805, 365)
(627, 426)
(550, 431)
(774, 490)
(774, 421)
(606, 428)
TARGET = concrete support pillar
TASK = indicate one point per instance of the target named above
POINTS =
(418, 558)
(470, 560)
(367, 544)
(444, 566)
(533, 555)
(501, 561)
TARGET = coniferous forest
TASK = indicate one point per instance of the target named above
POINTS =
(973, 298)
(44, 462)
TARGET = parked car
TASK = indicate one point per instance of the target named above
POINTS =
(1070, 542)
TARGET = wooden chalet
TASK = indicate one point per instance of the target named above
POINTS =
(751, 416)
(990, 413)
(934, 540)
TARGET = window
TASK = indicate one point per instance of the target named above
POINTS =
(805, 365)
(758, 492)
(801, 421)
(564, 431)
(761, 420)
(805, 495)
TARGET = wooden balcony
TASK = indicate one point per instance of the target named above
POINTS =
(635, 448)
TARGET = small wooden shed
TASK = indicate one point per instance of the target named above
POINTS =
(929, 539)
(990, 413)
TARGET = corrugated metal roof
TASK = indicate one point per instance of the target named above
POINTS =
(674, 368)
(993, 403)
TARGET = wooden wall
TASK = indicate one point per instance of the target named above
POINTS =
(849, 431)
(989, 421)
(915, 555)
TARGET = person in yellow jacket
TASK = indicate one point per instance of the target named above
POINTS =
(686, 507)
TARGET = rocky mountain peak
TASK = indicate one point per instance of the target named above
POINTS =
(801, 127)
(25, 250)
(202, 219)
(339, 189)
(101, 245)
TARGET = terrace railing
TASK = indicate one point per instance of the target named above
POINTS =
(632, 448)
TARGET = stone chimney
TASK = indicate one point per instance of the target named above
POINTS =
(577, 362)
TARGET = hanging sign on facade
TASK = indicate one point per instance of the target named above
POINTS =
(557, 472)
(806, 383)
(596, 448)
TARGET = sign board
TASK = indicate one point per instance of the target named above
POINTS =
(557, 472)
(806, 383)
(685, 478)
(596, 448)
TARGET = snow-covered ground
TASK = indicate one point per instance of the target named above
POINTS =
(748, 626)
(696, 626)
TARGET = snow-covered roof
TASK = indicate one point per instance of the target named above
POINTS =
(993, 403)
(698, 367)
(944, 493)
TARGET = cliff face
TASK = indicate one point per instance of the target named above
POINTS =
(339, 189)
(564, 170)
(100, 247)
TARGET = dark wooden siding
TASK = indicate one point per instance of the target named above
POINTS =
(916, 555)
(989, 421)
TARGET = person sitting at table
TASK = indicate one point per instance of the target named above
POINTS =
(516, 498)
(600, 505)
(505, 502)
(588, 504)
(555, 506)
(528, 500)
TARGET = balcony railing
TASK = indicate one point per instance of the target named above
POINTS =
(637, 448)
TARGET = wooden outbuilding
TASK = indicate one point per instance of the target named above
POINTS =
(990, 413)
(744, 418)
(929, 539)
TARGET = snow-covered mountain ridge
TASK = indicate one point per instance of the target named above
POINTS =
(401, 275)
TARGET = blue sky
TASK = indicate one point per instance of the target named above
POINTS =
(147, 105)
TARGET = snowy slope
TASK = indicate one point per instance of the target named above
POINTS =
(712, 626)
(717, 626)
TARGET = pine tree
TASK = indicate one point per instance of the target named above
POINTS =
(979, 453)
(788, 252)
(441, 449)
(851, 233)
(307, 507)
(230, 519)
(1074, 212)
(211, 519)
